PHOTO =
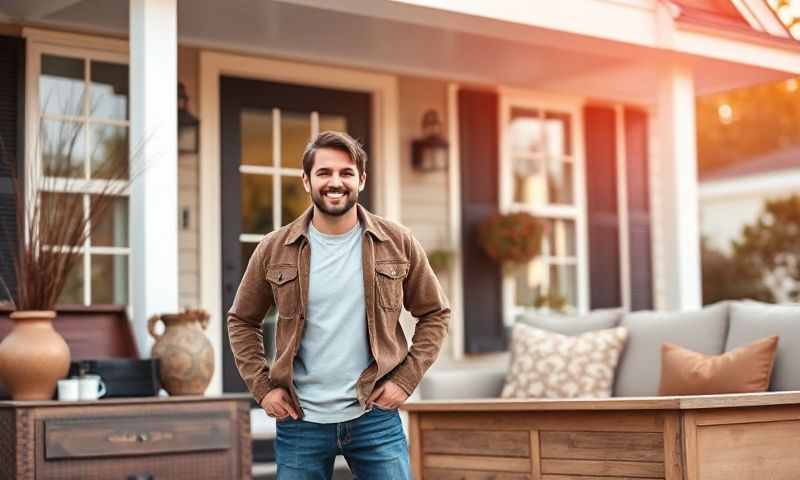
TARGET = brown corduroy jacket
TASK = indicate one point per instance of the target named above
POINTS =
(396, 275)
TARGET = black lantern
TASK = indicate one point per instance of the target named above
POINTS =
(188, 125)
(429, 154)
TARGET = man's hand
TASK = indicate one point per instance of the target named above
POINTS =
(388, 396)
(277, 404)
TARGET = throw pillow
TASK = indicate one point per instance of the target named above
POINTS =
(744, 370)
(550, 365)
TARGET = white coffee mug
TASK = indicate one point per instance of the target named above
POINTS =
(91, 387)
(68, 390)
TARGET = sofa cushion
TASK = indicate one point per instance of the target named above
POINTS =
(550, 365)
(639, 368)
(746, 369)
(600, 319)
(751, 320)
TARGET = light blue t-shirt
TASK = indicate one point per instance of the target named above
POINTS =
(334, 350)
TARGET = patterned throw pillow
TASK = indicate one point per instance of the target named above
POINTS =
(550, 365)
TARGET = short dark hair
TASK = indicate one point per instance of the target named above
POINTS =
(336, 141)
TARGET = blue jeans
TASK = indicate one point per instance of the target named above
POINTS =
(373, 444)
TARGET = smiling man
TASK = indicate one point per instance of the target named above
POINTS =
(339, 277)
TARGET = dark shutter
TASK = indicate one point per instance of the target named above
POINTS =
(12, 95)
(603, 214)
(479, 150)
(638, 209)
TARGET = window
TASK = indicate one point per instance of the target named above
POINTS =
(81, 98)
(540, 174)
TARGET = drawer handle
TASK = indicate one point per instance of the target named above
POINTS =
(140, 437)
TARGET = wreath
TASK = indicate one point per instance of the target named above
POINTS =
(513, 237)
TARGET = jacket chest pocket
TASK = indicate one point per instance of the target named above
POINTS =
(390, 284)
(285, 289)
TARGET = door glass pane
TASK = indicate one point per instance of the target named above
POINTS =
(559, 181)
(294, 199)
(73, 288)
(111, 229)
(530, 183)
(61, 213)
(63, 147)
(526, 132)
(109, 91)
(109, 279)
(295, 134)
(256, 137)
(247, 250)
(564, 283)
(109, 151)
(61, 86)
(557, 134)
(560, 239)
(257, 202)
(335, 123)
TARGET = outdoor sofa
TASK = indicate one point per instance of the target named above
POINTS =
(460, 429)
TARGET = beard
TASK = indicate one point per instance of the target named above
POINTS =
(347, 202)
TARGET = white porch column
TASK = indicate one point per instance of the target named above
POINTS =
(154, 152)
(677, 241)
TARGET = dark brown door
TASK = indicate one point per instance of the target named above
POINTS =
(265, 127)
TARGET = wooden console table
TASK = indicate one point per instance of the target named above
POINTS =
(717, 437)
(150, 438)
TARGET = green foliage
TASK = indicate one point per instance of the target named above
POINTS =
(440, 259)
(728, 278)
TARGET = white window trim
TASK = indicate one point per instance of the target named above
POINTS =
(513, 98)
(87, 48)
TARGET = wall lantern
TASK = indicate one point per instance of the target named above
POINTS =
(430, 153)
(188, 125)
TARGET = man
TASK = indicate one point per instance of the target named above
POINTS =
(338, 277)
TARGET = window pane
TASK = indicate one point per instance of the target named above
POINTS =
(73, 288)
(256, 137)
(335, 123)
(63, 147)
(61, 217)
(111, 227)
(109, 91)
(247, 250)
(295, 134)
(61, 86)
(109, 147)
(526, 132)
(530, 183)
(560, 181)
(294, 199)
(560, 239)
(564, 283)
(109, 279)
(256, 203)
(557, 134)
(529, 281)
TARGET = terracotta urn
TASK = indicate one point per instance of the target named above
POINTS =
(185, 354)
(33, 357)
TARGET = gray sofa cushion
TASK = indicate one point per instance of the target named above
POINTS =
(463, 382)
(752, 320)
(639, 370)
(601, 319)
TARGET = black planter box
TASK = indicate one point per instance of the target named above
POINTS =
(123, 377)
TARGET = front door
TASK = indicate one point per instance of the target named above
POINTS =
(265, 127)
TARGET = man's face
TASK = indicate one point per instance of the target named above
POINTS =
(334, 182)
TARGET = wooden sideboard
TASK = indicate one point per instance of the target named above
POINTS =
(715, 437)
(151, 438)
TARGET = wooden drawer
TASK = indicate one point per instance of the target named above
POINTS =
(94, 437)
(438, 474)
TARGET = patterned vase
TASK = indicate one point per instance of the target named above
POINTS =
(185, 354)
(33, 357)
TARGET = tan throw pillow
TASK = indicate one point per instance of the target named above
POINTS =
(550, 365)
(744, 370)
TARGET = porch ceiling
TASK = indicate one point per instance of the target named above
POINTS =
(376, 35)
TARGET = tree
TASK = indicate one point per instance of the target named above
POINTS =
(771, 247)
(727, 278)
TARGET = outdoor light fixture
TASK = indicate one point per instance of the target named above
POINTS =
(188, 125)
(429, 153)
